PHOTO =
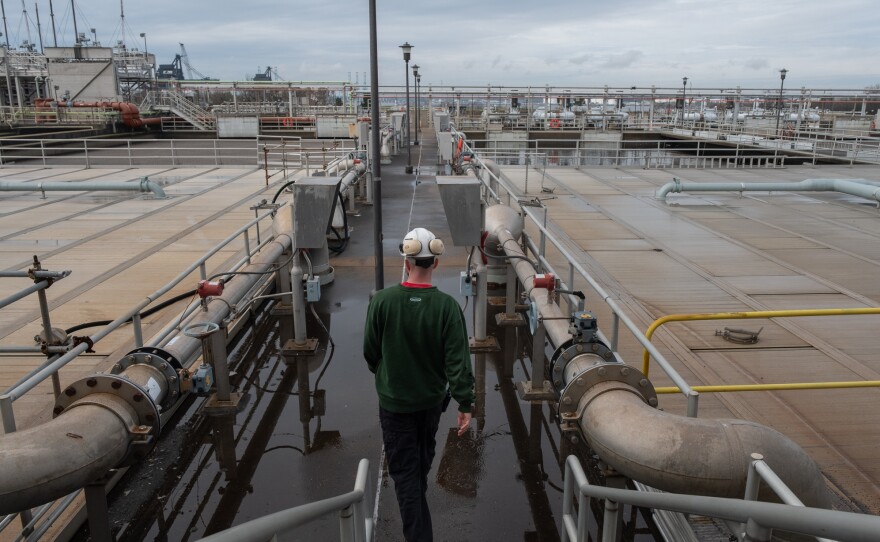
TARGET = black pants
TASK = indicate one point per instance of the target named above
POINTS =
(409, 446)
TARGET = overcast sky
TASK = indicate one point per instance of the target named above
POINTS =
(500, 42)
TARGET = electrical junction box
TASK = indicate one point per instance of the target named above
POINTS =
(441, 121)
(203, 379)
(444, 146)
(313, 289)
(467, 284)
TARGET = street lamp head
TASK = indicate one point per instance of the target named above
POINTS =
(143, 34)
(407, 49)
(415, 69)
(684, 81)
(782, 73)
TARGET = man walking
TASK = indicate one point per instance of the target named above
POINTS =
(416, 343)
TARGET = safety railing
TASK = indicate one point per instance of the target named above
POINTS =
(619, 316)
(354, 523)
(248, 234)
(197, 117)
(94, 153)
(758, 519)
(695, 153)
(656, 324)
(253, 242)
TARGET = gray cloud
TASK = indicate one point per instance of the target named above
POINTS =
(756, 63)
(623, 60)
(579, 60)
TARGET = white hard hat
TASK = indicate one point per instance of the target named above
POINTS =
(421, 243)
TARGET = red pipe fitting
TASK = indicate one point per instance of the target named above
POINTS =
(545, 280)
(210, 289)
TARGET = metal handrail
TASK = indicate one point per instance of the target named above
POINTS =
(760, 516)
(92, 152)
(354, 524)
(646, 355)
(37, 377)
(619, 315)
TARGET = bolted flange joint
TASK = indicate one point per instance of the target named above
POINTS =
(627, 376)
(160, 359)
(101, 390)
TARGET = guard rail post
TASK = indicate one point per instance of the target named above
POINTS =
(47, 324)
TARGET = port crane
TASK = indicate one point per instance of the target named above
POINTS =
(174, 70)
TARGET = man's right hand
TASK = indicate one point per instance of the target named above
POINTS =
(464, 422)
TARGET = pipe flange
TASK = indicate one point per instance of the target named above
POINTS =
(605, 372)
(161, 360)
(136, 397)
(569, 350)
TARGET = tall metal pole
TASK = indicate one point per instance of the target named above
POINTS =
(52, 16)
(5, 30)
(684, 82)
(406, 54)
(39, 28)
(375, 154)
(75, 29)
(782, 73)
(415, 71)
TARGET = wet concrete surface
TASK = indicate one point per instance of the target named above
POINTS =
(502, 481)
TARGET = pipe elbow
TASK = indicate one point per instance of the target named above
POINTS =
(672, 186)
(692, 455)
(49, 461)
(150, 186)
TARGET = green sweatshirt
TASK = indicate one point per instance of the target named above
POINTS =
(415, 341)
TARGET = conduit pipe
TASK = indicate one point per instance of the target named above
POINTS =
(128, 112)
(354, 173)
(49, 461)
(144, 185)
(385, 147)
(666, 451)
(183, 347)
(103, 430)
(861, 188)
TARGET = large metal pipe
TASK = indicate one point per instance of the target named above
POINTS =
(183, 347)
(93, 434)
(51, 460)
(860, 188)
(129, 113)
(690, 455)
(144, 185)
(662, 450)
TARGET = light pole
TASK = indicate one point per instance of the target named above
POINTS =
(684, 87)
(418, 123)
(416, 78)
(782, 73)
(407, 48)
(375, 152)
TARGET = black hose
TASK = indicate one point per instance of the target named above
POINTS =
(280, 190)
(147, 312)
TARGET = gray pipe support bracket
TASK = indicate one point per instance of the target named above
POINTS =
(571, 396)
(166, 363)
(144, 434)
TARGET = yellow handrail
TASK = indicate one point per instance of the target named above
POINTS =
(646, 356)
(771, 387)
